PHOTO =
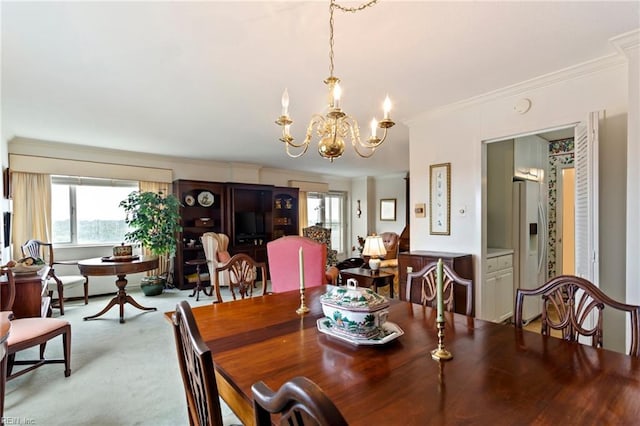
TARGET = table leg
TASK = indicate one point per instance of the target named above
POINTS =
(198, 288)
(120, 299)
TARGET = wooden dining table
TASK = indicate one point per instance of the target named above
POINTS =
(498, 375)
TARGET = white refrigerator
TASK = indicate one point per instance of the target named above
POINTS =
(530, 241)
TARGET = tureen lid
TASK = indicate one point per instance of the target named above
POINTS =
(354, 297)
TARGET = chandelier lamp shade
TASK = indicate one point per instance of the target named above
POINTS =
(335, 125)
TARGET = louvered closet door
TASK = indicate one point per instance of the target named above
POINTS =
(586, 198)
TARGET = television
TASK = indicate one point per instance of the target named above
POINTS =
(249, 224)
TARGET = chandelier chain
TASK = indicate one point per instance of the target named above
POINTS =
(333, 5)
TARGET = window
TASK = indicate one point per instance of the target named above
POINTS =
(86, 210)
(327, 210)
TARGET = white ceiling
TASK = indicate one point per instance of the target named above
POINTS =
(204, 79)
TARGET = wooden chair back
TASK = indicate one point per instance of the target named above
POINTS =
(6, 304)
(44, 251)
(575, 301)
(243, 274)
(421, 287)
(196, 368)
(299, 401)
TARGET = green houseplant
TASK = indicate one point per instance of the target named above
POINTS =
(154, 220)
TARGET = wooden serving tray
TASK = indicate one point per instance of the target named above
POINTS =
(120, 258)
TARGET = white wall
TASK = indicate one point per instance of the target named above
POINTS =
(391, 186)
(557, 100)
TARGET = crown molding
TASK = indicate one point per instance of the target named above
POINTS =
(627, 41)
(569, 73)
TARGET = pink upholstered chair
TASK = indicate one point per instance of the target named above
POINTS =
(284, 263)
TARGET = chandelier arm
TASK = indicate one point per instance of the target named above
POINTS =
(356, 142)
(357, 150)
(300, 154)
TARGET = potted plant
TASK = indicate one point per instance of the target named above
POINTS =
(154, 220)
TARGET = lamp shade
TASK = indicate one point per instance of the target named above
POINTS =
(374, 246)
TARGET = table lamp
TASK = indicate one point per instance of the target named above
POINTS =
(374, 247)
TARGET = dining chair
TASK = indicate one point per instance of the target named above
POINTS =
(299, 401)
(284, 267)
(242, 270)
(26, 333)
(55, 282)
(578, 305)
(197, 369)
(421, 287)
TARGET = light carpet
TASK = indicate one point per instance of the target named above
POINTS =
(121, 374)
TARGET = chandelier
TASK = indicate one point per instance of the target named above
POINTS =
(335, 126)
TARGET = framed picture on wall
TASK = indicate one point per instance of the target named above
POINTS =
(388, 209)
(440, 198)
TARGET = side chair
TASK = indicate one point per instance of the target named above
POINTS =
(44, 251)
(242, 270)
(26, 333)
(300, 402)
(282, 254)
(196, 368)
(421, 287)
(216, 252)
(574, 301)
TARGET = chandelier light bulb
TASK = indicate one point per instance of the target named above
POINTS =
(285, 102)
(374, 125)
(386, 106)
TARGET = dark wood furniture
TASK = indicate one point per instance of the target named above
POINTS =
(196, 368)
(99, 267)
(299, 401)
(421, 287)
(243, 273)
(572, 301)
(196, 219)
(368, 278)
(499, 374)
(250, 214)
(285, 212)
(44, 250)
(458, 262)
(198, 263)
(27, 333)
(30, 289)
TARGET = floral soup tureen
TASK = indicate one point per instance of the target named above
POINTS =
(355, 311)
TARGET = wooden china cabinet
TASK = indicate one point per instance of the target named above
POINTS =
(203, 207)
(250, 214)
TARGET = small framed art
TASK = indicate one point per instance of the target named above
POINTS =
(388, 209)
(440, 198)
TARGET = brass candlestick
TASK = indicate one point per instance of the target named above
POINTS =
(303, 309)
(441, 354)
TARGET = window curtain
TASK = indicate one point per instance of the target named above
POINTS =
(31, 194)
(302, 211)
(165, 262)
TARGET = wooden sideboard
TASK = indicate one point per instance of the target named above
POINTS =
(29, 301)
(459, 262)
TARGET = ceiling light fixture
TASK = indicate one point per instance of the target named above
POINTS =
(335, 125)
